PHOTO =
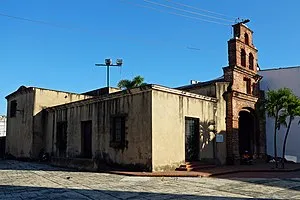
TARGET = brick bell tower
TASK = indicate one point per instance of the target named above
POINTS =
(242, 123)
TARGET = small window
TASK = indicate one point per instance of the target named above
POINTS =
(247, 85)
(243, 58)
(13, 108)
(117, 131)
(246, 39)
(251, 61)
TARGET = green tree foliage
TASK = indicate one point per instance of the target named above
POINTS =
(290, 111)
(135, 82)
(276, 101)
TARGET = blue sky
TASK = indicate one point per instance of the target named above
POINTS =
(60, 54)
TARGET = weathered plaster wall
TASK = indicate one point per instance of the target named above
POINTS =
(136, 107)
(273, 80)
(208, 90)
(19, 128)
(216, 90)
(168, 127)
(44, 98)
(221, 151)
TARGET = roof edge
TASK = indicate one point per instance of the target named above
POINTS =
(133, 91)
(279, 68)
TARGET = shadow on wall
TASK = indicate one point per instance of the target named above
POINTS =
(207, 135)
(66, 193)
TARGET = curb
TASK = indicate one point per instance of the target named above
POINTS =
(196, 174)
(253, 170)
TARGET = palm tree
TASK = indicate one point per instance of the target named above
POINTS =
(291, 110)
(276, 100)
(135, 82)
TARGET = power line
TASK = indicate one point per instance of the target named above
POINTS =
(120, 37)
(187, 11)
(39, 22)
(177, 14)
(203, 10)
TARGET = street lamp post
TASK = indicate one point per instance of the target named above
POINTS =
(108, 64)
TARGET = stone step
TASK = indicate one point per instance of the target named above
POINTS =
(194, 166)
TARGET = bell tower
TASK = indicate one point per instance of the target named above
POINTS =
(242, 124)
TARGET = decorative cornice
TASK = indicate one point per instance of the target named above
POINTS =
(242, 70)
(244, 96)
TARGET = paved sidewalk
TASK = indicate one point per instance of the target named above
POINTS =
(29, 180)
(216, 171)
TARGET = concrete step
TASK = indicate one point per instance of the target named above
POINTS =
(194, 166)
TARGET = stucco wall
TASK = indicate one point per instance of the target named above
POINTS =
(136, 107)
(208, 90)
(168, 127)
(44, 98)
(19, 128)
(217, 90)
(272, 80)
(221, 151)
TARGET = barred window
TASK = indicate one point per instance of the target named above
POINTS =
(117, 131)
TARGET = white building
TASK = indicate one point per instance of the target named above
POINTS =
(2, 126)
(274, 79)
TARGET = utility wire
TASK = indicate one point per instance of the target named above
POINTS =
(76, 29)
(39, 22)
(174, 13)
(152, 41)
(203, 10)
(187, 11)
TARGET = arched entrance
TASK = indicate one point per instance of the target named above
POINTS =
(247, 131)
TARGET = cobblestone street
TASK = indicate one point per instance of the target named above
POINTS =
(22, 180)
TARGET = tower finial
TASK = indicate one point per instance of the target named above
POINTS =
(241, 21)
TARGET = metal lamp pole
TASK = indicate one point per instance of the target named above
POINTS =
(108, 64)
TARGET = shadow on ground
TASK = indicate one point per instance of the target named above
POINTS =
(24, 192)
(40, 166)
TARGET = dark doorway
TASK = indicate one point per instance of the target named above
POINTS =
(246, 132)
(61, 138)
(86, 139)
(191, 139)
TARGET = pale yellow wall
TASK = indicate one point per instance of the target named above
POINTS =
(47, 98)
(168, 127)
(221, 151)
(216, 90)
(208, 90)
(19, 128)
(137, 107)
(43, 99)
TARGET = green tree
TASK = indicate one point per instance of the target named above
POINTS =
(291, 110)
(135, 82)
(276, 100)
